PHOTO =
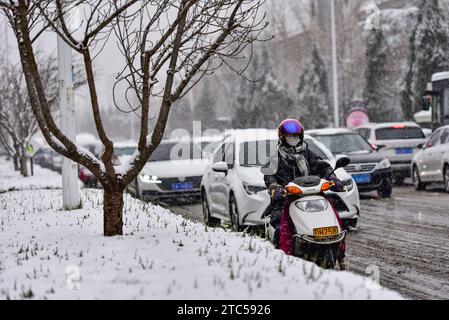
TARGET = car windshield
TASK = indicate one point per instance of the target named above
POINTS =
(400, 133)
(208, 147)
(315, 148)
(345, 143)
(125, 151)
(176, 151)
(257, 153)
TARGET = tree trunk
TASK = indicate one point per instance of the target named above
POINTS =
(113, 212)
(24, 166)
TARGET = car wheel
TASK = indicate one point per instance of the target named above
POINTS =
(446, 177)
(208, 220)
(234, 213)
(419, 186)
(386, 189)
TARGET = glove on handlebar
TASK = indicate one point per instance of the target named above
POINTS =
(277, 192)
(337, 186)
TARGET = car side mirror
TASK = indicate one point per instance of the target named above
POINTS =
(221, 167)
(421, 146)
(342, 162)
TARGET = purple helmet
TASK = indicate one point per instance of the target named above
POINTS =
(291, 127)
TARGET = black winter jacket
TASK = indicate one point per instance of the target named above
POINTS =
(287, 171)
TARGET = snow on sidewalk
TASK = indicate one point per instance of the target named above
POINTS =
(12, 180)
(44, 251)
(53, 254)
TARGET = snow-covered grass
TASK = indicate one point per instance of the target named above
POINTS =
(44, 251)
(12, 180)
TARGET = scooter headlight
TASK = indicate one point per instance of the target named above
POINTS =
(312, 205)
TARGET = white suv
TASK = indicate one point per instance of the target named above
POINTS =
(398, 142)
(233, 188)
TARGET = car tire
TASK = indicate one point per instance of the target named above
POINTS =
(386, 189)
(419, 186)
(208, 220)
(234, 214)
(446, 178)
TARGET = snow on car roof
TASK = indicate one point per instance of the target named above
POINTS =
(440, 76)
(125, 144)
(247, 135)
(389, 124)
(85, 139)
(328, 132)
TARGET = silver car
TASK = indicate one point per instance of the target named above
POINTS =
(398, 142)
(174, 171)
(431, 164)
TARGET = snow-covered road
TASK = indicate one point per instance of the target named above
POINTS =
(405, 238)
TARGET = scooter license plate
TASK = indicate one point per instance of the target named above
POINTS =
(325, 232)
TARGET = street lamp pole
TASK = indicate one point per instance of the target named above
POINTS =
(335, 67)
(70, 186)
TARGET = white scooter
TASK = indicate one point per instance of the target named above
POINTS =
(317, 235)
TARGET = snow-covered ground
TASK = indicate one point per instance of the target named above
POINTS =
(53, 254)
(42, 179)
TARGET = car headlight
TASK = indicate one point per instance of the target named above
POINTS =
(312, 205)
(150, 179)
(252, 189)
(349, 184)
(384, 164)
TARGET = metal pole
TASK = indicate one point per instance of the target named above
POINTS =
(334, 67)
(70, 186)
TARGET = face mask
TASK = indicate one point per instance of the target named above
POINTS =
(292, 141)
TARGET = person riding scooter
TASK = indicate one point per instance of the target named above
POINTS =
(293, 160)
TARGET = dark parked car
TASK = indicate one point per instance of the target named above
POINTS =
(369, 169)
(49, 159)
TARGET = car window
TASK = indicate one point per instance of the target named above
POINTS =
(399, 133)
(176, 151)
(446, 105)
(364, 133)
(317, 150)
(219, 153)
(444, 137)
(125, 151)
(345, 143)
(256, 153)
(229, 154)
(434, 140)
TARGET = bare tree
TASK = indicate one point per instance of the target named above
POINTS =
(17, 121)
(160, 41)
